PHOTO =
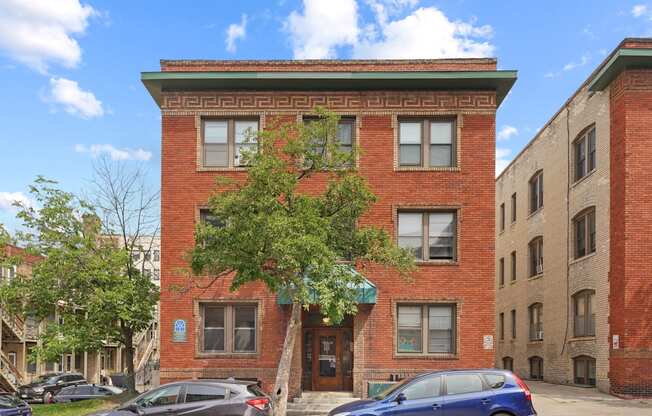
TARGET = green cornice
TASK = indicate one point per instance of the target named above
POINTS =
(626, 58)
(499, 81)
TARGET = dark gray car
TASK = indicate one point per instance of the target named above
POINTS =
(198, 398)
(85, 392)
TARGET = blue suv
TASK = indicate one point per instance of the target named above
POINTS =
(448, 393)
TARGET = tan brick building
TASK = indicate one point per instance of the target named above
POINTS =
(577, 318)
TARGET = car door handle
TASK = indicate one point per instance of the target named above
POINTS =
(436, 406)
(485, 401)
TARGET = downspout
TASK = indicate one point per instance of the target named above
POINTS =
(568, 226)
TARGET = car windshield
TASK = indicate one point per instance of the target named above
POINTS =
(8, 402)
(46, 378)
(391, 389)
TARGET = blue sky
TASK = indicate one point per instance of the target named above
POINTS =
(69, 69)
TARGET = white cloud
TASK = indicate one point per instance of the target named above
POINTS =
(639, 10)
(423, 33)
(39, 32)
(583, 61)
(506, 132)
(323, 26)
(96, 150)
(502, 159)
(7, 200)
(74, 100)
(234, 32)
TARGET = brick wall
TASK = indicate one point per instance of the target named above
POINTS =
(469, 282)
(631, 233)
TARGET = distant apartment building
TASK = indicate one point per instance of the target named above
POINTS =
(583, 316)
(19, 335)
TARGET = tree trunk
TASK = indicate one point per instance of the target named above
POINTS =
(129, 355)
(280, 393)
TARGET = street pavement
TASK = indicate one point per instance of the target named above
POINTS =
(557, 400)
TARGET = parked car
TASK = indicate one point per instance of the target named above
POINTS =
(453, 392)
(85, 392)
(47, 386)
(198, 398)
(11, 405)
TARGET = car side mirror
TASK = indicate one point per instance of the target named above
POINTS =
(133, 408)
(400, 398)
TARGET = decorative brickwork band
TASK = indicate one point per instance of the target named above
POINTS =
(349, 101)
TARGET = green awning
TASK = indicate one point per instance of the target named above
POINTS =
(366, 291)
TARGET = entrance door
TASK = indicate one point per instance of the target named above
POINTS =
(327, 359)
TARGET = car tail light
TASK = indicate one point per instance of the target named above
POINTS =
(260, 403)
(524, 387)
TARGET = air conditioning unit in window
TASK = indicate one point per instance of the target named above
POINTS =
(539, 268)
(539, 334)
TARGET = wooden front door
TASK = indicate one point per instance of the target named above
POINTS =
(327, 359)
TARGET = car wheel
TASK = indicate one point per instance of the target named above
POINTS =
(501, 414)
(47, 398)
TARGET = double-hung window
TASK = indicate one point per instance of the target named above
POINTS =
(426, 329)
(536, 192)
(584, 148)
(513, 207)
(536, 256)
(228, 328)
(501, 272)
(536, 321)
(430, 235)
(225, 139)
(427, 143)
(584, 314)
(502, 217)
(584, 226)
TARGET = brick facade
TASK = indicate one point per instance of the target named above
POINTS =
(615, 100)
(468, 188)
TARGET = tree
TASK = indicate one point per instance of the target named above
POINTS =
(266, 229)
(86, 275)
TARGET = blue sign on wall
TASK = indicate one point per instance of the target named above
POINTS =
(179, 331)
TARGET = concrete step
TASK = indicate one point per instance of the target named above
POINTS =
(325, 400)
(328, 394)
(320, 407)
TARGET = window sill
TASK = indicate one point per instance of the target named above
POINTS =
(441, 356)
(436, 263)
(230, 355)
(583, 178)
(501, 286)
(587, 338)
(222, 169)
(535, 277)
(513, 282)
(534, 213)
(535, 342)
(584, 257)
(426, 169)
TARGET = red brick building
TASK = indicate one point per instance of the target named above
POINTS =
(427, 132)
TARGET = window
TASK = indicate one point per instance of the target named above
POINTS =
(224, 141)
(536, 368)
(163, 396)
(502, 217)
(345, 136)
(157, 255)
(148, 256)
(205, 215)
(229, 328)
(501, 325)
(463, 383)
(513, 258)
(514, 207)
(427, 143)
(12, 358)
(432, 326)
(201, 392)
(136, 255)
(584, 148)
(584, 369)
(429, 235)
(513, 321)
(501, 272)
(583, 313)
(508, 363)
(423, 389)
(584, 226)
(536, 256)
(536, 192)
(536, 321)
(156, 275)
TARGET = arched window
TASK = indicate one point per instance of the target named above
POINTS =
(536, 368)
(584, 153)
(536, 191)
(584, 233)
(535, 253)
(584, 370)
(584, 313)
(536, 321)
(508, 363)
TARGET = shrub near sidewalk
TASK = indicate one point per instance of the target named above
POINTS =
(81, 408)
